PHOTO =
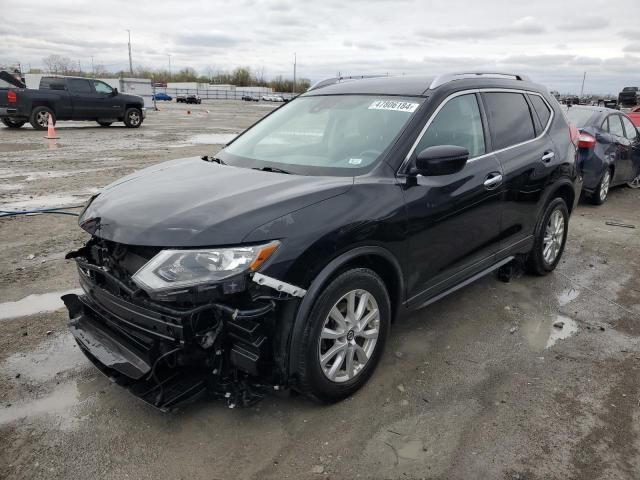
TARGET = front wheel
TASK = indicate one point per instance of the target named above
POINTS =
(133, 117)
(344, 336)
(12, 123)
(550, 238)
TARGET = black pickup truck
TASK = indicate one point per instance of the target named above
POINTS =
(629, 97)
(69, 98)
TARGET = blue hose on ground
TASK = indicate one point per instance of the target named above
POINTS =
(55, 211)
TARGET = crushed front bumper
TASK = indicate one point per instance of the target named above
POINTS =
(166, 356)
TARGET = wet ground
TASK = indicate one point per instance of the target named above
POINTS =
(538, 378)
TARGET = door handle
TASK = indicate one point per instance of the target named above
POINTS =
(492, 181)
(548, 156)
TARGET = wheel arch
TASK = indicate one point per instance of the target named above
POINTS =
(564, 189)
(376, 258)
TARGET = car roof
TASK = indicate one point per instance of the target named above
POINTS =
(419, 85)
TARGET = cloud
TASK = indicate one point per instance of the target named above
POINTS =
(215, 40)
(585, 23)
(635, 48)
(523, 26)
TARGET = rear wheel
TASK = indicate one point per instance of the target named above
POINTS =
(550, 238)
(104, 124)
(599, 196)
(635, 183)
(133, 117)
(344, 336)
(13, 123)
(40, 118)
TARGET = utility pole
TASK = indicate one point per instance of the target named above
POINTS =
(294, 73)
(93, 71)
(130, 62)
(169, 55)
(582, 89)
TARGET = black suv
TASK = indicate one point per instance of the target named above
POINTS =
(283, 260)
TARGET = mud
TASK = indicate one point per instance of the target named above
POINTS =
(490, 387)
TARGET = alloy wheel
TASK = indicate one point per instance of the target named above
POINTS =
(134, 118)
(42, 118)
(604, 185)
(635, 183)
(553, 237)
(349, 336)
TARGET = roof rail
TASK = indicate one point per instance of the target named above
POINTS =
(334, 80)
(450, 77)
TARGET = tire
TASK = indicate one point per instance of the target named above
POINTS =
(133, 117)
(104, 124)
(599, 195)
(635, 183)
(323, 333)
(547, 231)
(12, 123)
(39, 118)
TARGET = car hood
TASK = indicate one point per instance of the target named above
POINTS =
(191, 202)
(131, 98)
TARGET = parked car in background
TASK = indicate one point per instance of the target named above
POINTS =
(629, 97)
(634, 116)
(250, 98)
(608, 150)
(283, 260)
(69, 98)
(162, 96)
(188, 99)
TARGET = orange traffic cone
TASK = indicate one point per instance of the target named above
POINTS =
(51, 131)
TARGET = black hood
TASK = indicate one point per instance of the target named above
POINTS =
(131, 98)
(191, 202)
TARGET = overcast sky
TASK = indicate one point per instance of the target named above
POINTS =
(553, 41)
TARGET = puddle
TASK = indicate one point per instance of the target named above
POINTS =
(568, 296)
(59, 403)
(32, 304)
(55, 355)
(541, 333)
(212, 138)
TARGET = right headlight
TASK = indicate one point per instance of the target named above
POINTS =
(173, 269)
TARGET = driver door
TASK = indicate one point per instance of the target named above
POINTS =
(107, 106)
(454, 220)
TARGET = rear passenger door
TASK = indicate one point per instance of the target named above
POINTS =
(631, 134)
(622, 146)
(82, 97)
(528, 159)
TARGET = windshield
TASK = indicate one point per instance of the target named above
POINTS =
(324, 135)
(580, 116)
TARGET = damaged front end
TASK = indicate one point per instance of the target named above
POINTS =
(169, 346)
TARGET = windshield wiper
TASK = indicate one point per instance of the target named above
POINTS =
(271, 169)
(207, 158)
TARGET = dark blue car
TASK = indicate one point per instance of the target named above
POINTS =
(162, 96)
(609, 150)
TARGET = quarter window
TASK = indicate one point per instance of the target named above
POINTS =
(629, 129)
(541, 108)
(457, 123)
(615, 126)
(509, 118)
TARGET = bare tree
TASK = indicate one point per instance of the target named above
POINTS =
(58, 64)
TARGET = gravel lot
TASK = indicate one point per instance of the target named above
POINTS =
(479, 385)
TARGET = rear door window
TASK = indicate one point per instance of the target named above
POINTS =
(458, 123)
(615, 125)
(542, 109)
(79, 85)
(510, 119)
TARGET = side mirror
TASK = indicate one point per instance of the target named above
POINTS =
(114, 92)
(441, 160)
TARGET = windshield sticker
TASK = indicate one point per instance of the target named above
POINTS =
(355, 161)
(394, 105)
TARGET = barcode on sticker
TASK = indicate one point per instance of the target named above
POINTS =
(409, 107)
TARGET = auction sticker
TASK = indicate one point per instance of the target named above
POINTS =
(394, 105)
